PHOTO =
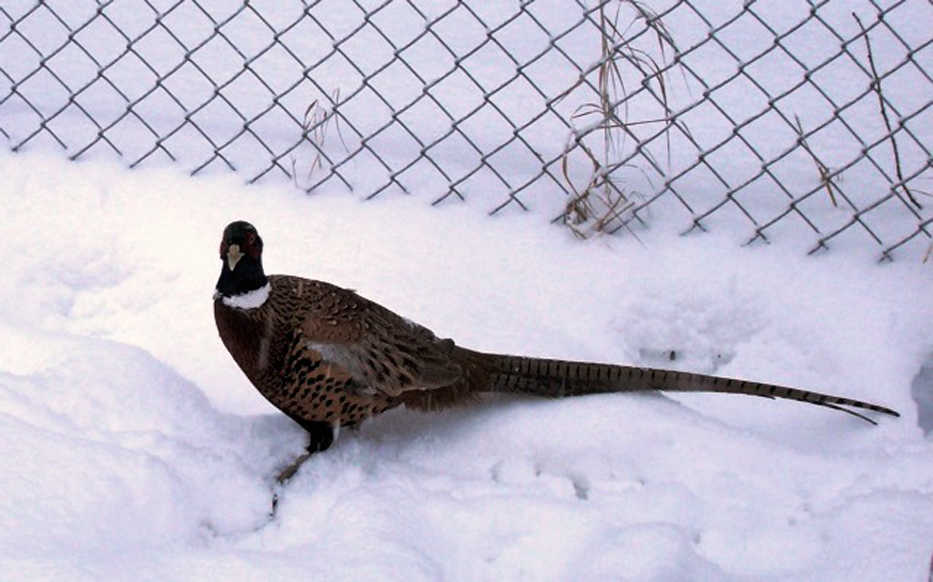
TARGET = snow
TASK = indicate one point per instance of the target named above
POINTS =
(134, 449)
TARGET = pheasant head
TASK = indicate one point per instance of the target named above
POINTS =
(241, 273)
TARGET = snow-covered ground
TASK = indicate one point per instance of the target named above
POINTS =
(133, 449)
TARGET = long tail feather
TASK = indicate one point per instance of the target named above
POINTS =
(559, 378)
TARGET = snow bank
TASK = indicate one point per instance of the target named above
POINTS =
(106, 451)
(134, 449)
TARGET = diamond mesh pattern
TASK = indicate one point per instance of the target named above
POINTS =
(806, 119)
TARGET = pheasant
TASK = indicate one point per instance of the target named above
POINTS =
(329, 358)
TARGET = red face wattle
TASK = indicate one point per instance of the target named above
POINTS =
(253, 246)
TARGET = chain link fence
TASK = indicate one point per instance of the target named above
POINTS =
(799, 119)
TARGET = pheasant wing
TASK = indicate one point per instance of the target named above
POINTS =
(380, 350)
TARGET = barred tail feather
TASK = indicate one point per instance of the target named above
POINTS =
(558, 378)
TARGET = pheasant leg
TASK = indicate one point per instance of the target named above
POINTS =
(320, 437)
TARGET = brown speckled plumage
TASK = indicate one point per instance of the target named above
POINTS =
(319, 352)
(327, 357)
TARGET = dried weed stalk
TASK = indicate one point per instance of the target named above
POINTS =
(882, 105)
(601, 202)
(315, 127)
(826, 177)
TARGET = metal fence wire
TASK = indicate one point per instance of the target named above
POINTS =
(805, 119)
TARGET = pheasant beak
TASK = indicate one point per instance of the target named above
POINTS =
(234, 254)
